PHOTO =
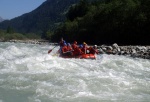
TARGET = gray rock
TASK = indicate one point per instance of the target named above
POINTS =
(109, 48)
(133, 51)
(115, 46)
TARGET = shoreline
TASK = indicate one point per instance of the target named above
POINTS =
(28, 41)
(134, 51)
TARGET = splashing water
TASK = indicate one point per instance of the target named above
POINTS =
(29, 74)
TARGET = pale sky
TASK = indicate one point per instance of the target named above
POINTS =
(13, 8)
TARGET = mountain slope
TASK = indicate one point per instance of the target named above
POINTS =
(45, 17)
(1, 19)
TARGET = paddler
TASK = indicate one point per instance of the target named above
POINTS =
(93, 50)
(66, 50)
(77, 51)
(61, 44)
(84, 48)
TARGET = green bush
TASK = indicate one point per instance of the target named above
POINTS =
(32, 36)
(17, 36)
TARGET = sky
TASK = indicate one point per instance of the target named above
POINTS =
(13, 8)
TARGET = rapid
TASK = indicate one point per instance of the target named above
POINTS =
(29, 74)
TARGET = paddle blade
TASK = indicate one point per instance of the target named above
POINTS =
(49, 51)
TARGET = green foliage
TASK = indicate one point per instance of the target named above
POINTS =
(2, 31)
(13, 36)
(32, 36)
(10, 30)
(49, 34)
(78, 10)
(108, 21)
(4, 35)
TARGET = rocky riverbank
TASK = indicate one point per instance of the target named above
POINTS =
(132, 51)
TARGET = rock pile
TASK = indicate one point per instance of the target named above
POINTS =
(133, 51)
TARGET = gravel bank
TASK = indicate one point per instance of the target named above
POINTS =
(132, 51)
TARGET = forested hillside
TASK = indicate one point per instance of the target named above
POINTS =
(98, 21)
(107, 22)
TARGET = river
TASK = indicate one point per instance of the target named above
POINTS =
(29, 74)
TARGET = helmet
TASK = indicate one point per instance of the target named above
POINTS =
(95, 46)
(65, 44)
(84, 43)
(75, 42)
(68, 44)
(80, 45)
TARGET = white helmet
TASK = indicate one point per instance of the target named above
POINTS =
(95, 46)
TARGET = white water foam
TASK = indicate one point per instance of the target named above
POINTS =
(29, 74)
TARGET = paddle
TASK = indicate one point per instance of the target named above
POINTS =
(51, 50)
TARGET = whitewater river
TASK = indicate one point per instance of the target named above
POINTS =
(29, 74)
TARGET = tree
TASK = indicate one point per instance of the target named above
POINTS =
(78, 10)
(10, 30)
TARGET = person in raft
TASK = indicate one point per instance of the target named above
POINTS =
(69, 47)
(84, 48)
(76, 50)
(93, 50)
(67, 50)
(61, 44)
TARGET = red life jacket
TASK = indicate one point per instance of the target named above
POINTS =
(69, 48)
(64, 49)
(93, 51)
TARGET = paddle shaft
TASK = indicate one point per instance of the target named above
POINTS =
(51, 50)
